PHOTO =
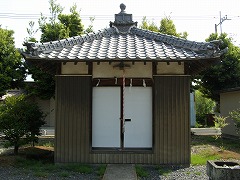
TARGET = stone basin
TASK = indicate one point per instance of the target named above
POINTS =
(224, 170)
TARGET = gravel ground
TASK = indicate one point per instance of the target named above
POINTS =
(193, 173)
(173, 173)
(170, 173)
(176, 173)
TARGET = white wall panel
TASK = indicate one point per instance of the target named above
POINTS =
(106, 117)
(138, 108)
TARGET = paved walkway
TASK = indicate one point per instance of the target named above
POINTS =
(120, 172)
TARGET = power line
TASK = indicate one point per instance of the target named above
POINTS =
(108, 17)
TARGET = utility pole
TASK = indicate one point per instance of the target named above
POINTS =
(222, 19)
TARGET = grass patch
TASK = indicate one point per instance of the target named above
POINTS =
(164, 171)
(64, 174)
(78, 168)
(41, 174)
(46, 142)
(22, 162)
(202, 157)
(209, 148)
(44, 169)
(39, 168)
(38, 161)
(198, 173)
(228, 144)
(101, 170)
(141, 172)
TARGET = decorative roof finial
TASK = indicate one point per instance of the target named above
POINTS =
(122, 7)
(123, 21)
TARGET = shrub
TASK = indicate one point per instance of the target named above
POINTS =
(220, 121)
(20, 121)
(204, 106)
(235, 115)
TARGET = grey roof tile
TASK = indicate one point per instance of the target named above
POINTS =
(137, 44)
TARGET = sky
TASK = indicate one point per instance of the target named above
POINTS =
(196, 17)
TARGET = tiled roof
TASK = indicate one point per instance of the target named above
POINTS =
(137, 44)
(123, 41)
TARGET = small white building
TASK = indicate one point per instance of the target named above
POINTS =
(123, 93)
(229, 101)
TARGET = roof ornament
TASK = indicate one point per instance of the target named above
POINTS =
(31, 48)
(122, 7)
(123, 21)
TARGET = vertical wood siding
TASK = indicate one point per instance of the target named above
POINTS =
(171, 140)
(72, 118)
(171, 120)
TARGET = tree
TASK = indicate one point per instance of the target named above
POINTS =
(52, 30)
(151, 26)
(90, 27)
(204, 106)
(225, 74)
(166, 27)
(44, 86)
(58, 26)
(31, 32)
(12, 71)
(72, 22)
(20, 121)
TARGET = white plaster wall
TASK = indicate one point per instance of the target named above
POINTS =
(172, 68)
(106, 70)
(71, 68)
(229, 101)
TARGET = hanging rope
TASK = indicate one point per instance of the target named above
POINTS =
(130, 85)
(144, 83)
(98, 82)
(123, 118)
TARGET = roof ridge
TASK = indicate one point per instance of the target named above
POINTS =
(175, 41)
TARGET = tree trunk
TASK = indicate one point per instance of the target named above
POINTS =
(16, 147)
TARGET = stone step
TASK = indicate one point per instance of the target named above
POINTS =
(206, 131)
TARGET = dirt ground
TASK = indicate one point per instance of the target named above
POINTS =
(224, 154)
(37, 152)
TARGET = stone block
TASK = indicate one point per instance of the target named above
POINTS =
(224, 170)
